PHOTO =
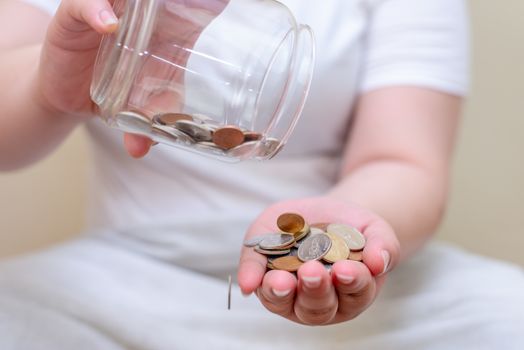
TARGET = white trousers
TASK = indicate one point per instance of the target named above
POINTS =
(93, 294)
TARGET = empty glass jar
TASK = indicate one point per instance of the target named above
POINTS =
(226, 78)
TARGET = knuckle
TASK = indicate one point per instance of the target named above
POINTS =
(279, 307)
(315, 316)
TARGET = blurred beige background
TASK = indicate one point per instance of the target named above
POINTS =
(44, 204)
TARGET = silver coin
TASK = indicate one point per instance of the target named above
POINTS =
(354, 239)
(315, 231)
(271, 252)
(204, 119)
(314, 247)
(171, 134)
(244, 150)
(133, 122)
(253, 241)
(276, 241)
(199, 132)
(269, 148)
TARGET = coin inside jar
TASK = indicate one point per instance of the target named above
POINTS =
(199, 132)
(133, 122)
(243, 150)
(291, 223)
(228, 137)
(252, 136)
(171, 118)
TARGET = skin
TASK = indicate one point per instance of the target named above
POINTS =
(392, 186)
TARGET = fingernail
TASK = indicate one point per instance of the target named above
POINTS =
(108, 17)
(281, 293)
(311, 282)
(346, 279)
(386, 258)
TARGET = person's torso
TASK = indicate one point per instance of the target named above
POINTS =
(172, 185)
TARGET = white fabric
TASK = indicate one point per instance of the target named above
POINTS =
(92, 294)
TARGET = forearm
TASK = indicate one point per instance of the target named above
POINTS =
(409, 197)
(28, 130)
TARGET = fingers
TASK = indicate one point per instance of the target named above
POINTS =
(382, 251)
(316, 301)
(355, 287)
(137, 146)
(251, 270)
(277, 293)
(73, 15)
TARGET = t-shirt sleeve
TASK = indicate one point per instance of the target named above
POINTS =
(417, 43)
(48, 6)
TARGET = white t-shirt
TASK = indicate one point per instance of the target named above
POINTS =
(361, 45)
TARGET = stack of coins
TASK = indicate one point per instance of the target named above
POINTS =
(299, 242)
(200, 132)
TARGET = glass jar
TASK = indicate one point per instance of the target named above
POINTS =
(226, 78)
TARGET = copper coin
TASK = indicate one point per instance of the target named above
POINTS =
(354, 239)
(339, 249)
(171, 118)
(252, 136)
(271, 252)
(356, 256)
(228, 137)
(303, 233)
(276, 241)
(287, 263)
(314, 247)
(291, 223)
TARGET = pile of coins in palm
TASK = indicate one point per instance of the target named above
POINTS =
(299, 242)
(200, 132)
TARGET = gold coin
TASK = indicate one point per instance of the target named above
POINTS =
(228, 137)
(339, 249)
(303, 233)
(356, 256)
(353, 237)
(291, 223)
(287, 263)
(320, 225)
(171, 118)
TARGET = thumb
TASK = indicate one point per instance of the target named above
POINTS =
(79, 15)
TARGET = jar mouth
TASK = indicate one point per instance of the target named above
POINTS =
(296, 89)
(124, 48)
